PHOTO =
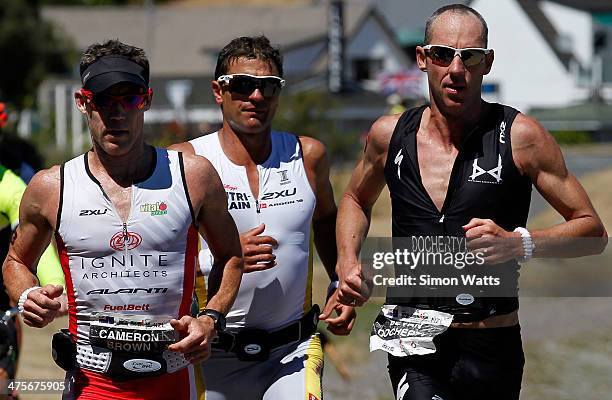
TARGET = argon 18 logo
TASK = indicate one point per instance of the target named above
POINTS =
(117, 242)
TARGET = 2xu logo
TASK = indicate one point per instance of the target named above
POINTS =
(118, 241)
(276, 195)
(87, 213)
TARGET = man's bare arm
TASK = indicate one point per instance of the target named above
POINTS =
(37, 216)
(537, 155)
(355, 209)
(324, 217)
(217, 226)
(324, 229)
(366, 184)
(218, 229)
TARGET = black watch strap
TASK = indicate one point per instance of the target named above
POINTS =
(216, 316)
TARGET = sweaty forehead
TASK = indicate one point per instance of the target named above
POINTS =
(253, 66)
(458, 30)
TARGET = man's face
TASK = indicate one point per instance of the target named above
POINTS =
(115, 116)
(455, 87)
(247, 113)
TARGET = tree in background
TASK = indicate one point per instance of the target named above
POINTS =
(31, 48)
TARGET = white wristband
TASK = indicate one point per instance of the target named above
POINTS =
(333, 285)
(24, 297)
(528, 245)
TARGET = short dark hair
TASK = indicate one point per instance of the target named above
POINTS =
(250, 47)
(116, 48)
(458, 9)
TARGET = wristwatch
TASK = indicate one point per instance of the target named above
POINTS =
(217, 317)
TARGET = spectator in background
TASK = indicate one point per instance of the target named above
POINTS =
(17, 154)
(12, 151)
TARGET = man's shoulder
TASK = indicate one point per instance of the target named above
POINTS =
(43, 191)
(184, 147)
(533, 147)
(380, 133)
(312, 149)
(199, 145)
(202, 181)
(526, 131)
(386, 123)
(196, 165)
(47, 177)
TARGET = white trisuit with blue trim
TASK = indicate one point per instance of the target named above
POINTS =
(276, 297)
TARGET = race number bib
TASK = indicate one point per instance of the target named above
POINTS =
(131, 333)
(402, 331)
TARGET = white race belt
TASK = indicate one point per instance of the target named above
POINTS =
(402, 331)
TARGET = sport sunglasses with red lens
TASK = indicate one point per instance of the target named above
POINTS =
(245, 84)
(102, 101)
(444, 55)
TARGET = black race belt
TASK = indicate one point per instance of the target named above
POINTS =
(256, 344)
(122, 352)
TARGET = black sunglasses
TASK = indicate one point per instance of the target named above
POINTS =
(444, 55)
(245, 84)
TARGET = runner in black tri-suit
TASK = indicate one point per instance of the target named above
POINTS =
(459, 167)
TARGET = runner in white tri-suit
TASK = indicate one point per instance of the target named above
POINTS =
(126, 217)
(278, 188)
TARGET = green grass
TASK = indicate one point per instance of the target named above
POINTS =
(576, 368)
